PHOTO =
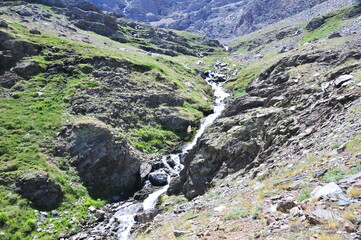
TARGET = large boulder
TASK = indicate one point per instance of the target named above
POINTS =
(159, 178)
(38, 188)
(103, 160)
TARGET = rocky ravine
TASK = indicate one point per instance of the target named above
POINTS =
(283, 161)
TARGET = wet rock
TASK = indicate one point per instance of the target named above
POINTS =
(329, 189)
(38, 188)
(285, 206)
(35, 31)
(158, 178)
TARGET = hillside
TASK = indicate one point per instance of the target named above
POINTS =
(80, 111)
(97, 114)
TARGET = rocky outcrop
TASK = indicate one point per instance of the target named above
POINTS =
(12, 50)
(276, 111)
(104, 161)
(38, 188)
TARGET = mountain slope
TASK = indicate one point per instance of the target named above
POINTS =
(283, 161)
(216, 19)
(80, 112)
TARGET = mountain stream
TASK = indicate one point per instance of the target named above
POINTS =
(122, 221)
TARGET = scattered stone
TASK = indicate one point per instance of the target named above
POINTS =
(351, 178)
(298, 177)
(342, 148)
(146, 216)
(276, 197)
(343, 200)
(23, 12)
(320, 173)
(296, 185)
(179, 233)
(326, 214)
(54, 213)
(35, 31)
(92, 209)
(285, 206)
(349, 227)
(358, 184)
(335, 35)
(341, 80)
(100, 215)
(9, 79)
(329, 189)
(295, 212)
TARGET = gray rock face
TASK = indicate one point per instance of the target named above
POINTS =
(251, 128)
(39, 189)
(216, 19)
(104, 161)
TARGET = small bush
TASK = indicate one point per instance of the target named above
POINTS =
(255, 213)
(92, 84)
(334, 175)
(3, 218)
(305, 194)
(237, 214)
(29, 225)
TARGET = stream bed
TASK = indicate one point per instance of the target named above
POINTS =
(127, 214)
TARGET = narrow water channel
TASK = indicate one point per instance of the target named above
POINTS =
(123, 219)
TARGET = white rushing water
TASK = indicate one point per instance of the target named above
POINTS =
(219, 106)
(127, 4)
(126, 212)
(152, 199)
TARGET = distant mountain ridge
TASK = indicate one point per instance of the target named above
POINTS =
(220, 19)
